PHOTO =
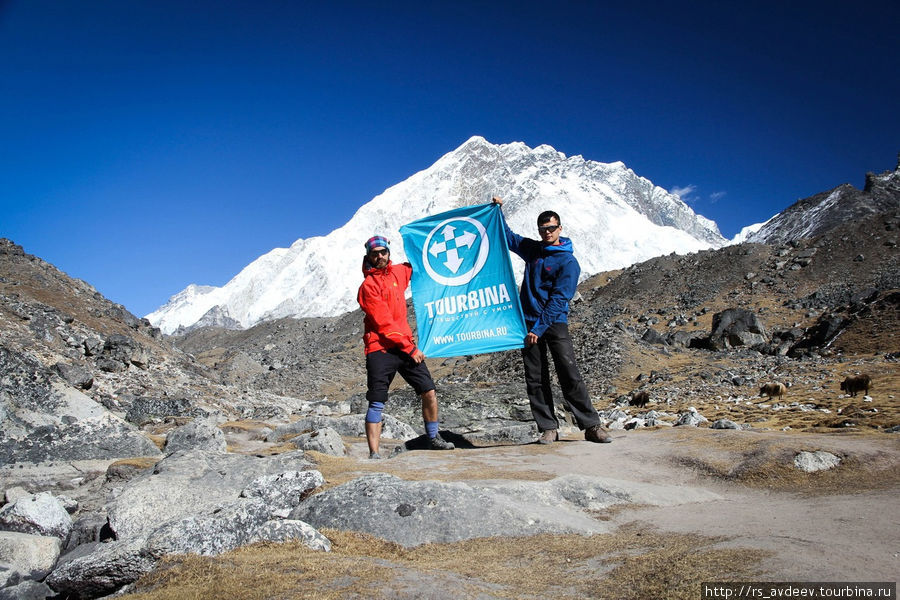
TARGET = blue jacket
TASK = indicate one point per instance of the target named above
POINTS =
(551, 276)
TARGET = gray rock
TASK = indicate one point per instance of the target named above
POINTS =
(93, 346)
(122, 349)
(418, 512)
(189, 504)
(47, 420)
(651, 336)
(32, 556)
(187, 483)
(109, 365)
(283, 491)
(27, 590)
(14, 493)
(283, 530)
(75, 376)
(70, 504)
(87, 528)
(325, 440)
(736, 327)
(691, 418)
(349, 425)
(212, 532)
(119, 472)
(725, 424)
(9, 575)
(199, 434)
(810, 462)
(40, 514)
(613, 414)
(94, 570)
(147, 408)
(496, 433)
(683, 339)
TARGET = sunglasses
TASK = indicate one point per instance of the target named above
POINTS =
(382, 252)
(547, 228)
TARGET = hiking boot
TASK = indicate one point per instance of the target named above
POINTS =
(439, 443)
(597, 434)
(549, 436)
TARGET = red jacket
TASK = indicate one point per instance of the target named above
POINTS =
(382, 298)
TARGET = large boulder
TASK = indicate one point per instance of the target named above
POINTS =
(325, 440)
(811, 462)
(691, 418)
(411, 513)
(77, 377)
(283, 491)
(190, 502)
(44, 419)
(418, 512)
(349, 425)
(97, 569)
(40, 514)
(199, 434)
(283, 530)
(190, 482)
(123, 349)
(736, 327)
(31, 556)
(213, 531)
(27, 590)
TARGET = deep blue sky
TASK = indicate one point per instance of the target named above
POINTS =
(146, 145)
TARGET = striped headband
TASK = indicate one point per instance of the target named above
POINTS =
(377, 242)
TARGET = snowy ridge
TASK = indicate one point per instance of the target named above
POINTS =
(613, 216)
(744, 234)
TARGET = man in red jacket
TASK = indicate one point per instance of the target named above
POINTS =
(389, 343)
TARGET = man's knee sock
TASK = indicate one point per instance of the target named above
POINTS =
(431, 428)
(373, 415)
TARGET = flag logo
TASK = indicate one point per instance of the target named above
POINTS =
(455, 251)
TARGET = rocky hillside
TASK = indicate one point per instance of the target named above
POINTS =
(818, 214)
(76, 367)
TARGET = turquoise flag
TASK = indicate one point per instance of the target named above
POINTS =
(463, 286)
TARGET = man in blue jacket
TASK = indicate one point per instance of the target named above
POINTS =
(551, 276)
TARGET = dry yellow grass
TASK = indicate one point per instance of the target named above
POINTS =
(158, 440)
(814, 401)
(268, 450)
(242, 426)
(139, 462)
(339, 470)
(636, 562)
(766, 461)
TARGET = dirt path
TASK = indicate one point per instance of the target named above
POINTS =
(839, 526)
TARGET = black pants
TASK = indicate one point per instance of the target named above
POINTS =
(537, 380)
(381, 366)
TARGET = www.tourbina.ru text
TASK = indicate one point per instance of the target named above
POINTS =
(464, 336)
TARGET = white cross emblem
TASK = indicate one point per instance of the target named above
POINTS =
(452, 244)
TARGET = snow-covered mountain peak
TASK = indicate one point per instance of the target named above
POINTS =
(613, 216)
